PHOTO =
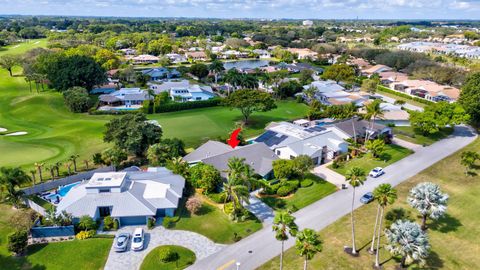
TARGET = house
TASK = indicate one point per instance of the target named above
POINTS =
(359, 128)
(388, 77)
(107, 88)
(427, 89)
(128, 97)
(192, 93)
(129, 51)
(176, 58)
(130, 196)
(330, 93)
(377, 69)
(393, 114)
(217, 154)
(145, 59)
(161, 73)
(232, 54)
(307, 23)
(289, 140)
(262, 53)
(165, 86)
(303, 53)
(196, 56)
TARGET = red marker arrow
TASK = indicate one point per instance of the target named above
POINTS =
(233, 141)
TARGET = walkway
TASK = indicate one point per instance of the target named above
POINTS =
(329, 175)
(131, 260)
(261, 210)
(403, 143)
(262, 246)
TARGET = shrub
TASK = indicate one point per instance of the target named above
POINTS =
(293, 183)
(193, 205)
(228, 208)
(85, 234)
(108, 223)
(87, 223)
(180, 106)
(285, 190)
(77, 99)
(150, 223)
(306, 183)
(17, 242)
(167, 254)
(217, 197)
(167, 222)
(115, 224)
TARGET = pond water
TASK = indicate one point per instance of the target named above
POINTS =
(246, 64)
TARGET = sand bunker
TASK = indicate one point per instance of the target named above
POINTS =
(3, 129)
(17, 133)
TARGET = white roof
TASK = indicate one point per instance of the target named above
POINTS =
(109, 179)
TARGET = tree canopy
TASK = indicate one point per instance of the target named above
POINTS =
(470, 97)
(249, 101)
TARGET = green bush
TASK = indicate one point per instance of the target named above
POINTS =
(115, 224)
(167, 222)
(306, 183)
(86, 234)
(77, 99)
(180, 106)
(87, 223)
(150, 223)
(108, 223)
(285, 190)
(217, 197)
(293, 183)
(17, 241)
(167, 255)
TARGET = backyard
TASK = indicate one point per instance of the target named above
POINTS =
(304, 196)
(411, 135)
(77, 254)
(392, 154)
(211, 222)
(454, 238)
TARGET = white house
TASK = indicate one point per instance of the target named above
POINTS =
(191, 93)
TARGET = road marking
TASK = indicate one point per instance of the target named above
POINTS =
(223, 267)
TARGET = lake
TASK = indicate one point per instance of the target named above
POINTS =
(246, 64)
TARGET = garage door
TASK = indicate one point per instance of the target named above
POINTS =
(160, 212)
(141, 220)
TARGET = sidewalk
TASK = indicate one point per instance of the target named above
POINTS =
(329, 175)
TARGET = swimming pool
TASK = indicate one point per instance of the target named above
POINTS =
(61, 192)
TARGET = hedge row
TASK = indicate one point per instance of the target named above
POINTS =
(112, 112)
(180, 106)
(396, 93)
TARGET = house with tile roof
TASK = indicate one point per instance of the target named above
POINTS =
(130, 196)
(331, 93)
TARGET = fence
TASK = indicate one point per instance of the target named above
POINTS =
(39, 209)
(42, 187)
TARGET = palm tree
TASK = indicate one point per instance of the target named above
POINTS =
(73, 158)
(236, 193)
(384, 194)
(408, 240)
(178, 166)
(429, 200)
(68, 165)
(355, 177)
(32, 173)
(51, 168)
(308, 243)
(10, 180)
(86, 162)
(216, 67)
(242, 172)
(374, 110)
(57, 168)
(283, 225)
(233, 77)
(39, 167)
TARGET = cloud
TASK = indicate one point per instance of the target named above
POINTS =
(420, 9)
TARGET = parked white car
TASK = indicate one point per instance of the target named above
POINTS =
(138, 239)
(376, 172)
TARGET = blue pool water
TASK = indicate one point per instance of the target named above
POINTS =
(62, 192)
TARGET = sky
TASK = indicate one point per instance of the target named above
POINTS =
(295, 9)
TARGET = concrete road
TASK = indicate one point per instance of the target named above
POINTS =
(262, 246)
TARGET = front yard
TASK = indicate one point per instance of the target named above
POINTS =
(454, 238)
(392, 154)
(211, 222)
(410, 135)
(304, 196)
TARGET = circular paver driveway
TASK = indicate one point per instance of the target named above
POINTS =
(159, 236)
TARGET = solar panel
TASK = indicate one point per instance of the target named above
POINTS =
(265, 136)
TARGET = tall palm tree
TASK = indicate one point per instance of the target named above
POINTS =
(408, 240)
(68, 166)
(373, 110)
(57, 168)
(73, 158)
(355, 177)
(308, 243)
(216, 67)
(51, 168)
(39, 167)
(236, 193)
(86, 162)
(241, 171)
(284, 225)
(10, 180)
(384, 194)
(32, 173)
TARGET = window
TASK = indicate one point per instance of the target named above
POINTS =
(104, 190)
(278, 152)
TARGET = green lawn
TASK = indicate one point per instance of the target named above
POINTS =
(21, 48)
(454, 238)
(153, 262)
(303, 196)
(85, 254)
(410, 135)
(43, 203)
(392, 154)
(214, 224)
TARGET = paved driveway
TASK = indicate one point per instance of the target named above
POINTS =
(329, 175)
(260, 209)
(262, 246)
(131, 260)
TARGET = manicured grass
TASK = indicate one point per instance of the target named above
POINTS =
(303, 196)
(392, 154)
(199, 125)
(153, 262)
(23, 47)
(85, 254)
(454, 238)
(43, 203)
(411, 135)
(214, 224)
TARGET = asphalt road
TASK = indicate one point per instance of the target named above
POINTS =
(262, 246)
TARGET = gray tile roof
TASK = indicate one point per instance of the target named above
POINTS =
(257, 155)
(361, 127)
(132, 201)
(208, 149)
